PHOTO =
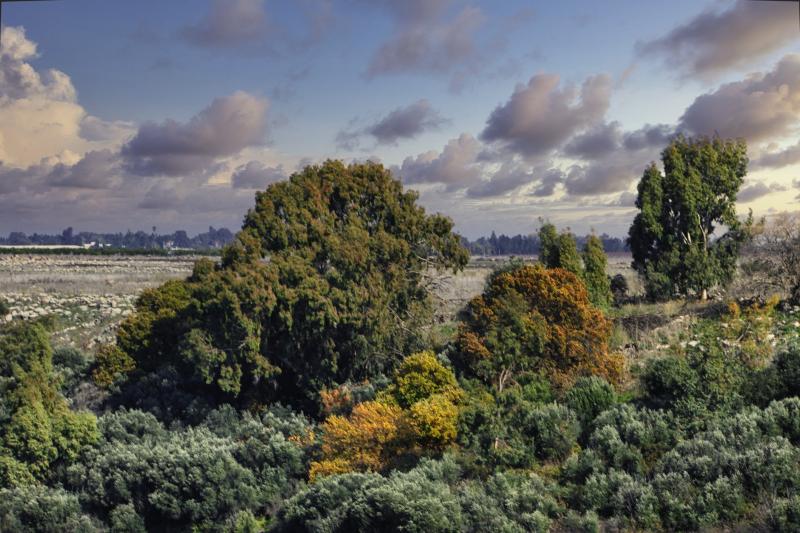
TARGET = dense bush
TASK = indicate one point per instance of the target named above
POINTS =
(40, 509)
(595, 263)
(198, 477)
(431, 497)
(533, 318)
(589, 397)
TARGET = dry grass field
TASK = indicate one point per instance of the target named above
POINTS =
(87, 295)
(90, 295)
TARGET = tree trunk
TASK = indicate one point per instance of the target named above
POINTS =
(703, 295)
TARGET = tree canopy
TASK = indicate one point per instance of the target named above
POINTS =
(687, 236)
(325, 283)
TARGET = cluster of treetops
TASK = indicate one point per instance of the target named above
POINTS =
(298, 385)
(521, 245)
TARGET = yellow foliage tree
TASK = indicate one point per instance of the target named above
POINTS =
(417, 412)
(365, 441)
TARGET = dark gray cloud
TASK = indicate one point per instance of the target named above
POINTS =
(96, 170)
(14, 179)
(548, 181)
(402, 123)
(257, 175)
(406, 122)
(779, 159)
(225, 128)
(426, 39)
(758, 190)
(510, 176)
(229, 23)
(160, 196)
(247, 23)
(648, 137)
(456, 166)
(540, 116)
(719, 39)
(608, 176)
(596, 142)
(760, 107)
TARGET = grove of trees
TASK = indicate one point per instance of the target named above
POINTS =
(302, 384)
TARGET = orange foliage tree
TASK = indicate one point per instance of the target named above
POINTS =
(534, 319)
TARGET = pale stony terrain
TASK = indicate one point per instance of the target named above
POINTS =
(88, 295)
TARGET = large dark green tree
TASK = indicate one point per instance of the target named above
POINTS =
(687, 236)
(325, 283)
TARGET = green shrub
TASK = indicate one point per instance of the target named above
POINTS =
(669, 380)
(5, 309)
(787, 367)
(125, 519)
(785, 516)
(554, 429)
(589, 397)
(38, 509)
(194, 476)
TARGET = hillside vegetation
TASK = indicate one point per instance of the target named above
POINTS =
(302, 383)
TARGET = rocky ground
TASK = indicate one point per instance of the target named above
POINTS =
(89, 295)
(86, 295)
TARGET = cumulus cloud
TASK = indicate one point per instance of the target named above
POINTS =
(548, 181)
(256, 175)
(613, 159)
(238, 23)
(34, 105)
(540, 116)
(98, 130)
(402, 123)
(762, 106)
(612, 175)
(456, 166)
(229, 125)
(18, 79)
(758, 190)
(719, 39)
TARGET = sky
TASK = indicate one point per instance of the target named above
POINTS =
(118, 115)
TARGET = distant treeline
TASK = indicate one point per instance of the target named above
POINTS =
(139, 240)
(529, 244)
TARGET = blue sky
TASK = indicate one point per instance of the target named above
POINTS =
(498, 112)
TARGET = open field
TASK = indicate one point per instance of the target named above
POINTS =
(90, 295)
